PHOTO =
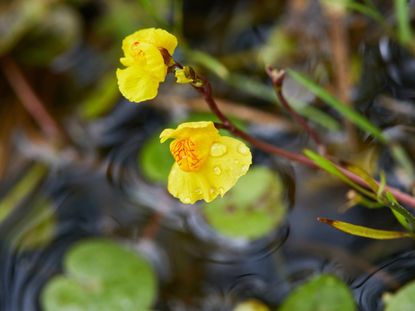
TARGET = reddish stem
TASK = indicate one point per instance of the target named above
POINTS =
(206, 91)
(30, 100)
(277, 78)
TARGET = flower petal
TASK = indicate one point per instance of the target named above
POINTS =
(146, 56)
(158, 37)
(219, 173)
(182, 77)
(190, 129)
(136, 85)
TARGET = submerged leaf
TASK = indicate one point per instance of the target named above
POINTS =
(101, 276)
(323, 293)
(253, 208)
(403, 300)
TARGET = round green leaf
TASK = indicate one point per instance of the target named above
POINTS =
(101, 276)
(155, 160)
(64, 294)
(322, 293)
(403, 300)
(252, 208)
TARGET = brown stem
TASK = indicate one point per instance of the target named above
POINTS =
(30, 100)
(339, 48)
(206, 91)
(277, 78)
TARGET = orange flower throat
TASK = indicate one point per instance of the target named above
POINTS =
(185, 154)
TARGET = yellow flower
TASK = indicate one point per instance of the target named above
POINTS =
(207, 164)
(182, 77)
(146, 67)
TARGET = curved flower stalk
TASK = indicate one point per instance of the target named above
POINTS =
(147, 57)
(207, 164)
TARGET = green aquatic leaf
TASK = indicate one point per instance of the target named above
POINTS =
(252, 208)
(255, 88)
(101, 276)
(402, 300)
(155, 160)
(23, 188)
(101, 99)
(321, 293)
(402, 12)
(348, 112)
(365, 231)
(39, 225)
(331, 168)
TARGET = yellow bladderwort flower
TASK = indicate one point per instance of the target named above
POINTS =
(146, 53)
(207, 164)
(181, 76)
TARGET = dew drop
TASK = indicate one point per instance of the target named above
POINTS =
(186, 200)
(217, 170)
(243, 149)
(221, 191)
(217, 150)
(244, 169)
(212, 190)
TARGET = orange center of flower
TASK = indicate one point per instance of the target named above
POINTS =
(135, 49)
(185, 154)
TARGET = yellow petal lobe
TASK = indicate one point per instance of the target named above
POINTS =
(181, 77)
(135, 85)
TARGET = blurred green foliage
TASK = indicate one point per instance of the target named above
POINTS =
(323, 293)
(253, 207)
(101, 275)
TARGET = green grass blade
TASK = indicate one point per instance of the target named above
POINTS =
(365, 231)
(255, 88)
(349, 113)
(402, 11)
(329, 167)
(22, 189)
(366, 10)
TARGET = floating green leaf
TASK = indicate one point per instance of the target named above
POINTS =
(251, 209)
(336, 104)
(155, 160)
(101, 276)
(403, 300)
(365, 231)
(323, 293)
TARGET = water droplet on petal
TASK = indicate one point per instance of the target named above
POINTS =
(244, 169)
(212, 190)
(221, 191)
(217, 170)
(243, 149)
(186, 200)
(217, 150)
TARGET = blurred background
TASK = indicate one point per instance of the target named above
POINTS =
(86, 222)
